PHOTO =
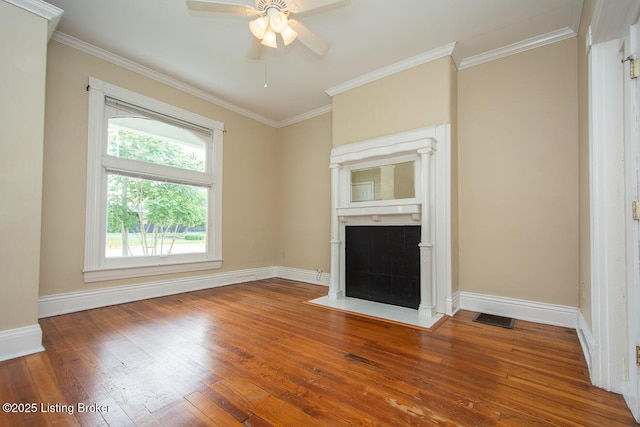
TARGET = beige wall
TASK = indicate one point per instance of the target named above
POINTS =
(23, 49)
(304, 190)
(518, 160)
(583, 152)
(411, 99)
(249, 183)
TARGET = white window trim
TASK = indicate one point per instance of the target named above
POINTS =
(96, 266)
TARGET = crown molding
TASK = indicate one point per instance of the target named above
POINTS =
(423, 58)
(522, 46)
(304, 116)
(155, 75)
(184, 87)
(576, 15)
(43, 9)
(611, 19)
(39, 7)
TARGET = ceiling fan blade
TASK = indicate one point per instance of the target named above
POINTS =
(309, 39)
(309, 7)
(220, 7)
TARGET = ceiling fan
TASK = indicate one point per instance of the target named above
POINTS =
(272, 18)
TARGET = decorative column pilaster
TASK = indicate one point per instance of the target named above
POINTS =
(427, 305)
(336, 289)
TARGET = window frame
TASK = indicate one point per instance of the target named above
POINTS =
(97, 267)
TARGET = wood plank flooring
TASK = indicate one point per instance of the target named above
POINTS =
(256, 355)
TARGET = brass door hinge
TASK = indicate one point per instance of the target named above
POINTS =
(638, 355)
(633, 66)
(635, 209)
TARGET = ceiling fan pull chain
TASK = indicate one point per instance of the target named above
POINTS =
(265, 74)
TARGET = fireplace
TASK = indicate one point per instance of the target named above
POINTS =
(382, 264)
(399, 183)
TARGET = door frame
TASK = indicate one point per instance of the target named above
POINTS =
(614, 149)
(631, 384)
(607, 230)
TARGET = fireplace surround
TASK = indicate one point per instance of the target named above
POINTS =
(360, 202)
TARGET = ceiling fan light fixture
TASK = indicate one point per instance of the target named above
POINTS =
(270, 39)
(278, 21)
(288, 35)
(259, 27)
(272, 17)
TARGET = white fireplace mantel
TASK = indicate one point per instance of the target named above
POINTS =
(430, 150)
(390, 213)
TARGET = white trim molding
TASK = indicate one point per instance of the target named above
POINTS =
(452, 304)
(304, 116)
(20, 342)
(532, 311)
(155, 75)
(607, 226)
(125, 63)
(53, 305)
(423, 58)
(43, 9)
(71, 302)
(521, 46)
(586, 339)
(611, 20)
(317, 277)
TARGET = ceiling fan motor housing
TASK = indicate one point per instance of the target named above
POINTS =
(264, 5)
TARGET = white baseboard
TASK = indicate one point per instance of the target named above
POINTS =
(586, 339)
(307, 276)
(20, 342)
(452, 304)
(550, 314)
(53, 305)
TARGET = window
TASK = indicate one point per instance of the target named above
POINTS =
(153, 187)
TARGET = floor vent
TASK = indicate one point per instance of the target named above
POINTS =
(490, 319)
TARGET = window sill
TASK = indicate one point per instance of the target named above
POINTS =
(100, 275)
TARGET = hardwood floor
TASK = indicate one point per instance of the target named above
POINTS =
(256, 355)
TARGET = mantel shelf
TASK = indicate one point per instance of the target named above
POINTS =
(409, 209)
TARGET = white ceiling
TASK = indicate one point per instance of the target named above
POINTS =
(367, 37)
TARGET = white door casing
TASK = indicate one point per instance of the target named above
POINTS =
(631, 388)
(607, 200)
(614, 168)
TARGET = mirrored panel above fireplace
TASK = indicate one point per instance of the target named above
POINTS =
(387, 182)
